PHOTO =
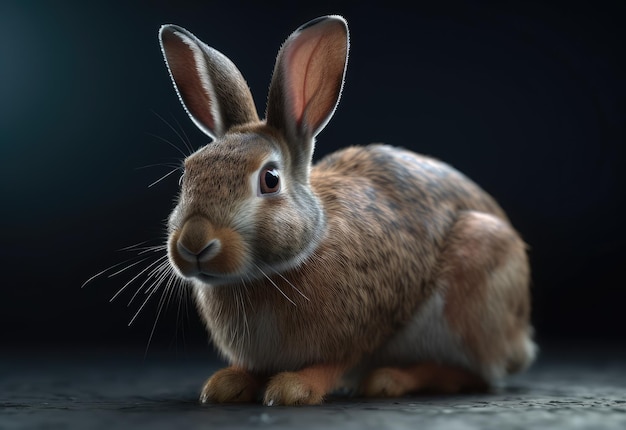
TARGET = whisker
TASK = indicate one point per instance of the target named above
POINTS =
(151, 249)
(187, 294)
(154, 290)
(276, 286)
(185, 142)
(247, 295)
(180, 289)
(156, 274)
(242, 292)
(186, 139)
(147, 166)
(133, 247)
(104, 271)
(127, 267)
(162, 304)
(153, 272)
(163, 177)
(160, 274)
(137, 276)
(290, 284)
(168, 142)
(175, 296)
(144, 249)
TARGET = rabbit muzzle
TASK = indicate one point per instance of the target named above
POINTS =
(202, 251)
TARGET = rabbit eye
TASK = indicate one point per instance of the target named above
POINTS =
(269, 181)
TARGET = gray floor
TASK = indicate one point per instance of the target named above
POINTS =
(577, 387)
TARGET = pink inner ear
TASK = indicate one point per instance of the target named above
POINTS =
(313, 68)
(299, 74)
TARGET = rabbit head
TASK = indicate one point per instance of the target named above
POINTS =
(245, 202)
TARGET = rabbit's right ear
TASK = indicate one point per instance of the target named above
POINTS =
(307, 82)
(209, 85)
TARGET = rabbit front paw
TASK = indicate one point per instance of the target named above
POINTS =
(230, 385)
(290, 388)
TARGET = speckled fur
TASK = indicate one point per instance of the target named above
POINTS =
(374, 261)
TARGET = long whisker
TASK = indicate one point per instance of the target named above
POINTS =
(186, 142)
(164, 176)
(157, 274)
(147, 166)
(160, 274)
(102, 272)
(276, 286)
(175, 296)
(127, 267)
(154, 272)
(291, 284)
(147, 249)
(144, 304)
(163, 301)
(242, 292)
(168, 142)
(189, 301)
(157, 261)
(181, 297)
(133, 247)
(248, 278)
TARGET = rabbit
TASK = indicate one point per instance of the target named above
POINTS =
(376, 270)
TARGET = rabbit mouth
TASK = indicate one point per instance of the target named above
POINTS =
(207, 277)
(212, 279)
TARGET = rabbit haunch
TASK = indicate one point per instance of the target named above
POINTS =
(376, 265)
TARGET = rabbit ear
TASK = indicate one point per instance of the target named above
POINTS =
(308, 78)
(209, 85)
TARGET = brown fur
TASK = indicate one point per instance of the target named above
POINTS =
(196, 232)
(231, 385)
(304, 387)
(362, 304)
(338, 270)
(422, 377)
(485, 275)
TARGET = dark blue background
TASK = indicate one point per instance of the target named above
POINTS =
(527, 98)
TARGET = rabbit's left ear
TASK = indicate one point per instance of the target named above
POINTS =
(209, 85)
(308, 78)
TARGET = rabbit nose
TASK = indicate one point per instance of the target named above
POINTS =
(203, 254)
(197, 242)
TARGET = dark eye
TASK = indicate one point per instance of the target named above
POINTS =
(269, 181)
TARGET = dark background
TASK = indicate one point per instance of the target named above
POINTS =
(527, 98)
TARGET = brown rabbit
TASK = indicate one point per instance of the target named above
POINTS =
(377, 268)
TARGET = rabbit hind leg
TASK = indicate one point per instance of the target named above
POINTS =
(484, 279)
(423, 377)
(476, 327)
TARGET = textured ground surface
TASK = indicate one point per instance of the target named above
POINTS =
(569, 388)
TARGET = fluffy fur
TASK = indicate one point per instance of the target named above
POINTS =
(377, 265)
